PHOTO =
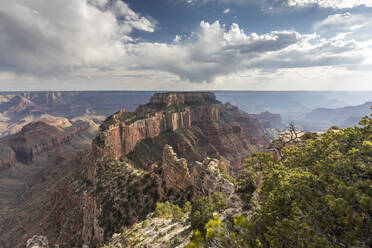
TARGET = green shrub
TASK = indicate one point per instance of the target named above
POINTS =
(309, 135)
(187, 207)
(177, 214)
(145, 223)
(319, 196)
(163, 210)
(335, 128)
(168, 210)
(203, 209)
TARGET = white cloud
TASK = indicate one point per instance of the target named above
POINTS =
(341, 22)
(47, 38)
(337, 4)
(217, 51)
(226, 11)
(346, 25)
(77, 39)
(177, 38)
(131, 19)
(99, 3)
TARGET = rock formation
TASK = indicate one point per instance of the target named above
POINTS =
(37, 242)
(7, 157)
(175, 170)
(205, 178)
(141, 147)
(121, 138)
(21, 108)
(42, 197)
(203, 126)
(36, 138)
(138, 159)
(16, 105)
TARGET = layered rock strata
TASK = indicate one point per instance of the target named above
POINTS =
(140, 158)
(37, 138)
(223, 130)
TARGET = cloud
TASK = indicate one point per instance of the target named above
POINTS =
(346, 25)
(76, 38)
(226, 11)
(336, 4)
(177, 38)
(131, 19)
(217, 51)
(47, 38)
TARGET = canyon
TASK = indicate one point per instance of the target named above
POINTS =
(85, 197)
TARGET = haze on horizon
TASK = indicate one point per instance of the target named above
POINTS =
(185, 45)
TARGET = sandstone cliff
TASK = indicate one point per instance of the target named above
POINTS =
(138, 159)
(195, 124)
(134, 161)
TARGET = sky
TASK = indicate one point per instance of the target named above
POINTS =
(185, 45)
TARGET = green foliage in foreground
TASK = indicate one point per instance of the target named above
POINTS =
(203, 209)
(320, 196)
(170, 211)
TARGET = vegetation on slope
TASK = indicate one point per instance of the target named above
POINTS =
(126, 194)
(168, 210)
(320, 195)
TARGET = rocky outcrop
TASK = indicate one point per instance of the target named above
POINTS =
(155, 233)
(37, 242)
(7, 157)
(205, 177)
(56, 122)
(209, 129)
(121, 138)
(91, 232)
(180, 98)
(210, 176)
(175, 170)
(123, 194)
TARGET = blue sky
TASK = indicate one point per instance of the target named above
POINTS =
(179, 17)
(185, 45)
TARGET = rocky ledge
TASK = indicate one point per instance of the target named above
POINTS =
(183, 98)
(205, 177)
(205, 126)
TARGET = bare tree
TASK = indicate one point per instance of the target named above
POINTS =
(289, 136)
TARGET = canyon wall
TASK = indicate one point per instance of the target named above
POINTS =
(137, 159)
(38, 137)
